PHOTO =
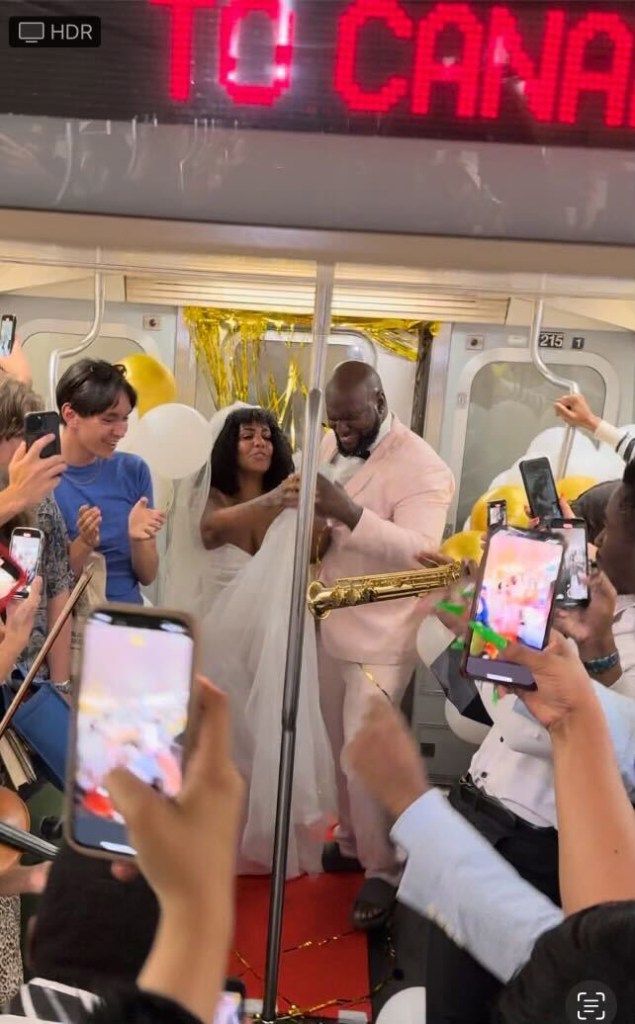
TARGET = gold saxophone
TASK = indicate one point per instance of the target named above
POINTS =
(353, 590)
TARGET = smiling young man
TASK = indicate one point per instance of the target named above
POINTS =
(105, 495)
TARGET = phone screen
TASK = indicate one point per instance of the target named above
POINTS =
(496, 514)
(11, 577)
(541, 489)
(515, 598)
(229, 1009)
(573, 588)
(7, 334)
(25, 548)
(131, 712)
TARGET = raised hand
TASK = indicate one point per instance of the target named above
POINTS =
(20, 618)
(576, 412)
(144, 523)
(595, 621)
(333, 502)
(32, 478)
(88, 525)
(285, 495)
(563, 685)
(385, 757)
(16, 364)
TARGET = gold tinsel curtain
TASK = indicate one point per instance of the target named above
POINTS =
(229, 346)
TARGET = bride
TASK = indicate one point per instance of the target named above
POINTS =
(237, 523)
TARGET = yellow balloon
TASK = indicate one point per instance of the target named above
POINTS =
(152, 381)
(573, 486)
(464, 546)
(516, 501)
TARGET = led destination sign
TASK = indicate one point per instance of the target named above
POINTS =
(528, 71)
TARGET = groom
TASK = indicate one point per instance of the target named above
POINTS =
(385, 495)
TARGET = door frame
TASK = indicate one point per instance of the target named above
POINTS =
(513, 355)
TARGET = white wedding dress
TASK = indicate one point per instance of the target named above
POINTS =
(243, 605)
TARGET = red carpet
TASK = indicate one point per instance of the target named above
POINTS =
(324, 964)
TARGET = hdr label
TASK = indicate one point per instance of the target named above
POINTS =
(70, 31)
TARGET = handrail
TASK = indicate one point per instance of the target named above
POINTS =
(60, 353)
(544, 371)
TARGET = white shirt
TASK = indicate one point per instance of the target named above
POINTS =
(506, 766)
(457, 879)
(346, 466)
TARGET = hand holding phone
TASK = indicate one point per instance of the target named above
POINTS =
(131, 712)
(33, 477)
(591, 621)
(514, 600)
(20, 618)
(187, 851)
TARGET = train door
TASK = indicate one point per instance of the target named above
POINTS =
(496, 402)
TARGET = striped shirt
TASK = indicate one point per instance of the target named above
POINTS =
(50, 1002)
(623, 441)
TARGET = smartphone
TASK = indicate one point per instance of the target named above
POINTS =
(7, 334)
(26, 550)
(496, 514)
(39, 424)
(540, 487)
(573, 590)
(231, 1007)
(130, 710)
(12, 577)
(515, 596)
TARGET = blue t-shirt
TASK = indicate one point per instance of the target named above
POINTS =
(114, 485)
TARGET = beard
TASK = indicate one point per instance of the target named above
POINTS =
(364, 442)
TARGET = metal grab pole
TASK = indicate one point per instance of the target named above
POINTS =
(100, 294)
(295, 644)
(571, 385)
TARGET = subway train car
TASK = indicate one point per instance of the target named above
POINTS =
(346, 171)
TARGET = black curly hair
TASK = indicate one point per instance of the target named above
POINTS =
(224, 458)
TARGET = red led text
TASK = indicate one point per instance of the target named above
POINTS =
(554, 74)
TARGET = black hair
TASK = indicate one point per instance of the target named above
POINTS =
(224, 457)
(598, 945)
(92, 386)
(92, 931)
(591, 506)
(628, 488)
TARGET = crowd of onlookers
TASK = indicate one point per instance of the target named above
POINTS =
(525, 874)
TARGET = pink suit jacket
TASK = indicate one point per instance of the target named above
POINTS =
(405, 489)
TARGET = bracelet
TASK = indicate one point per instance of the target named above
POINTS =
(598, 666)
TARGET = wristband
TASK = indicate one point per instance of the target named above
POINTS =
(598, 666)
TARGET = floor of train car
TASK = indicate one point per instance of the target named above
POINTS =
(325, 966)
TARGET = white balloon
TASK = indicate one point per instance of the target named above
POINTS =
(405, 1007)
(585, 458)
(124, 444)
(174, 440)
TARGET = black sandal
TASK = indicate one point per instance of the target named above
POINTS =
(373, 906)
(335, 862)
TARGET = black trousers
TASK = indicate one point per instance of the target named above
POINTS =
(459, 990)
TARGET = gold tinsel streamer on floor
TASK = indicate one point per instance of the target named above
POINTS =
(229, 347)
(296, 1013)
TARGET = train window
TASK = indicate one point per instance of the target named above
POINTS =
(510, 403)
(40, 346)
